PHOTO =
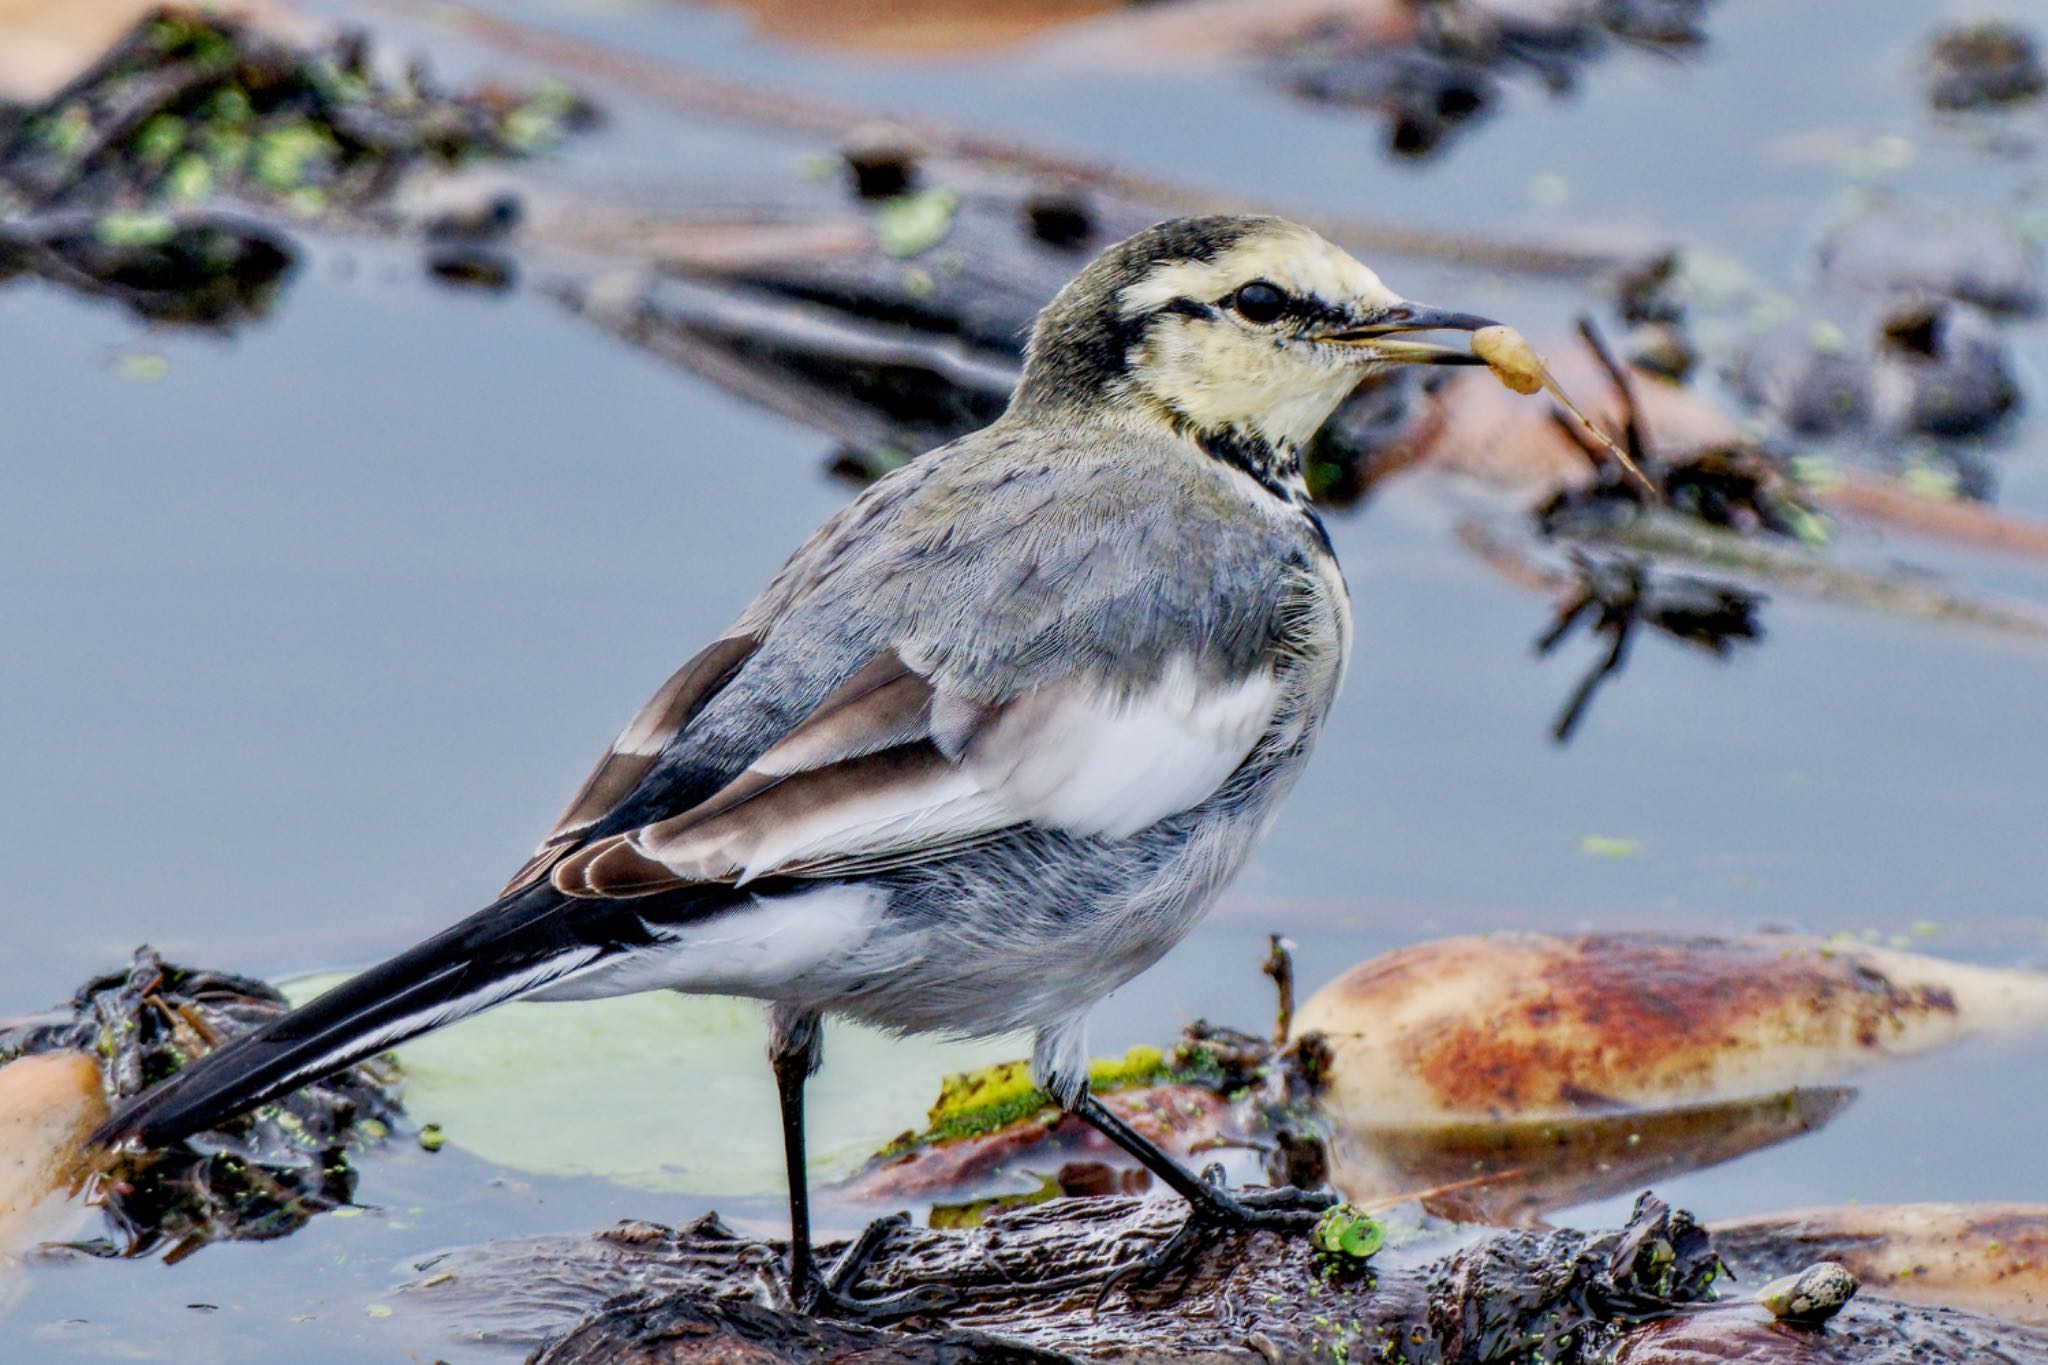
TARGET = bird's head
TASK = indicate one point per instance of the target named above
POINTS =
(1243, 333)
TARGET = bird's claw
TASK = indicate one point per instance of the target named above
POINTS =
(1279, 1209)
(833, 1297)
(827, 1302)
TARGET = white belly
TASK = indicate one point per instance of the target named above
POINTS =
(767, 948)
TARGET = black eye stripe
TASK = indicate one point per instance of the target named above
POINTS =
(1188, 308)
(1292, 307)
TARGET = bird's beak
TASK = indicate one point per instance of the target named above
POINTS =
(1380, 334)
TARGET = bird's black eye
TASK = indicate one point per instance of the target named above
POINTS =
(1259, 302)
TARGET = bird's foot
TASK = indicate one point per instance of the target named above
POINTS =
(1280, 1209)
(833, 1296)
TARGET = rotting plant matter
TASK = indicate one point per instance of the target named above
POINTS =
(259, 1176)
(114, 184)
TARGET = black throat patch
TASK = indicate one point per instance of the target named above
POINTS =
(1274, 466)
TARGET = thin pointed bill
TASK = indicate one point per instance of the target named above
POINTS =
(1382, 335)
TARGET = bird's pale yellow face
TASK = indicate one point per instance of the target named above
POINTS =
(1240, 333)
(1268, 335)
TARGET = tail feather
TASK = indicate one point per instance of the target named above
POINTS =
(507, 949)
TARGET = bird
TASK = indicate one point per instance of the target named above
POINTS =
(990, 742)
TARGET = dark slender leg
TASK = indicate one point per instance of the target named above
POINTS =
(1210, 1206)
(1210, 1202)
(792, 1069)
(795, 1050)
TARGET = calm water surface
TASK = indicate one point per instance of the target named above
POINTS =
(308, 637)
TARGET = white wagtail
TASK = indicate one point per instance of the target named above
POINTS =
(990, 742)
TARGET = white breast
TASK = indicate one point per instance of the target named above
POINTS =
(1090, 763)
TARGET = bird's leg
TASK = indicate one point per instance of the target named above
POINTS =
(1273, 1208)
(1059, 1065)
(1211, 1207)
(795, 1051)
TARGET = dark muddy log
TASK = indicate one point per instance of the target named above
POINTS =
(694, 1331)
(1044, 1279)
(1037, 1284)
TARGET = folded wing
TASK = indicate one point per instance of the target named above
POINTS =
(893, 767)
(634, 754)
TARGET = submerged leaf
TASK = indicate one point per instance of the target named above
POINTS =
(916, 222)
(662, 1091)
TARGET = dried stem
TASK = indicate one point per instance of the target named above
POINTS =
(1279, 965)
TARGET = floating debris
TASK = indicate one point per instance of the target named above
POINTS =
(262, 1175)
(1880, 377)
(1605, 1023)
(912, 224)
(206, 269)
(111, 184)
(881, 160)
(468, 266)
(1348, 1234)
(1984, 66)
(992, 1131)
(193, 105)
(1618, 593)
(1442, 72)
(1562, 1296)
(48, 1104)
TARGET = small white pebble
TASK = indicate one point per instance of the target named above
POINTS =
(1815, 1294)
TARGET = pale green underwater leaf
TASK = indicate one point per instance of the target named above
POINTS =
(663, 1091)
(916, 222)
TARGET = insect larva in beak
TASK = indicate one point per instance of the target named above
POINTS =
(1512, 359)
(1515, 363)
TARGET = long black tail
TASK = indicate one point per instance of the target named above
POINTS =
(530, 938)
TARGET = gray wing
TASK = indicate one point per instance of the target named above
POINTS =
(975, 645)
(893, 767)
